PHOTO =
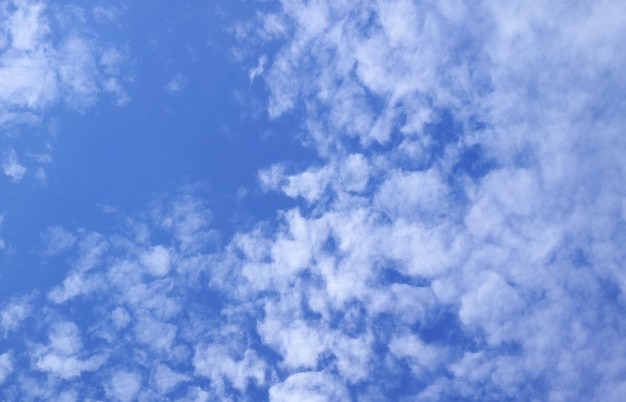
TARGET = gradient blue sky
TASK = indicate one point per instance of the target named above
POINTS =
(312, 200)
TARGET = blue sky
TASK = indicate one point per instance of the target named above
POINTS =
(312, 201)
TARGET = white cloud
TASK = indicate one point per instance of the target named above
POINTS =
(490, 305)
(218, 364)
(157, 334)
(491, 244)
(111, 59)
(124, 386)
(57, 240)
(413, 195)
(61, 357)
(6, 366)
(299, 343)
(309, 185)
(27, 81)
(258, 70)
(64, 338)
(421, 357)
(176, 84)
(115, 88)
(166, 379)
(120, 317)
(26, 26)
(75, 284)
(92, 248)
(355, 173)
(197, 394)
(12, 167)
(68, 396)
(76, 73)
(36, 73)
(13, 313)
(189, 219)
(106, 13)
(309, 387)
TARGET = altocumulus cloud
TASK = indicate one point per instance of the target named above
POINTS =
(460, 238)
(48, 57)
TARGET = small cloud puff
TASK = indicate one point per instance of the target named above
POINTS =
(176, 84)
(62, 356)
(106, 14)
(12, 167)
(124, 386)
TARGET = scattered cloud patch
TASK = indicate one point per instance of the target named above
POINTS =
(57, 240)
(106, 14)
(167, 380)
(258, 70)
(310, 387)
(13, 313)
(124, 386)
(37, 73)
(50, 58)
(176, 84)
(12, 168)
(401, 273)
(6, 366)
(62, 356)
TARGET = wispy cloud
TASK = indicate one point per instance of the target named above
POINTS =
(106, 14)
(62, 356)
(176, 84)
(14, 312)
(12, 167)
(6, 366)
(56, 240)
(258, 70)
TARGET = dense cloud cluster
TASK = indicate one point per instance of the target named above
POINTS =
(460, 238)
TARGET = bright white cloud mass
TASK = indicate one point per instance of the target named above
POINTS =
(304, 200)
